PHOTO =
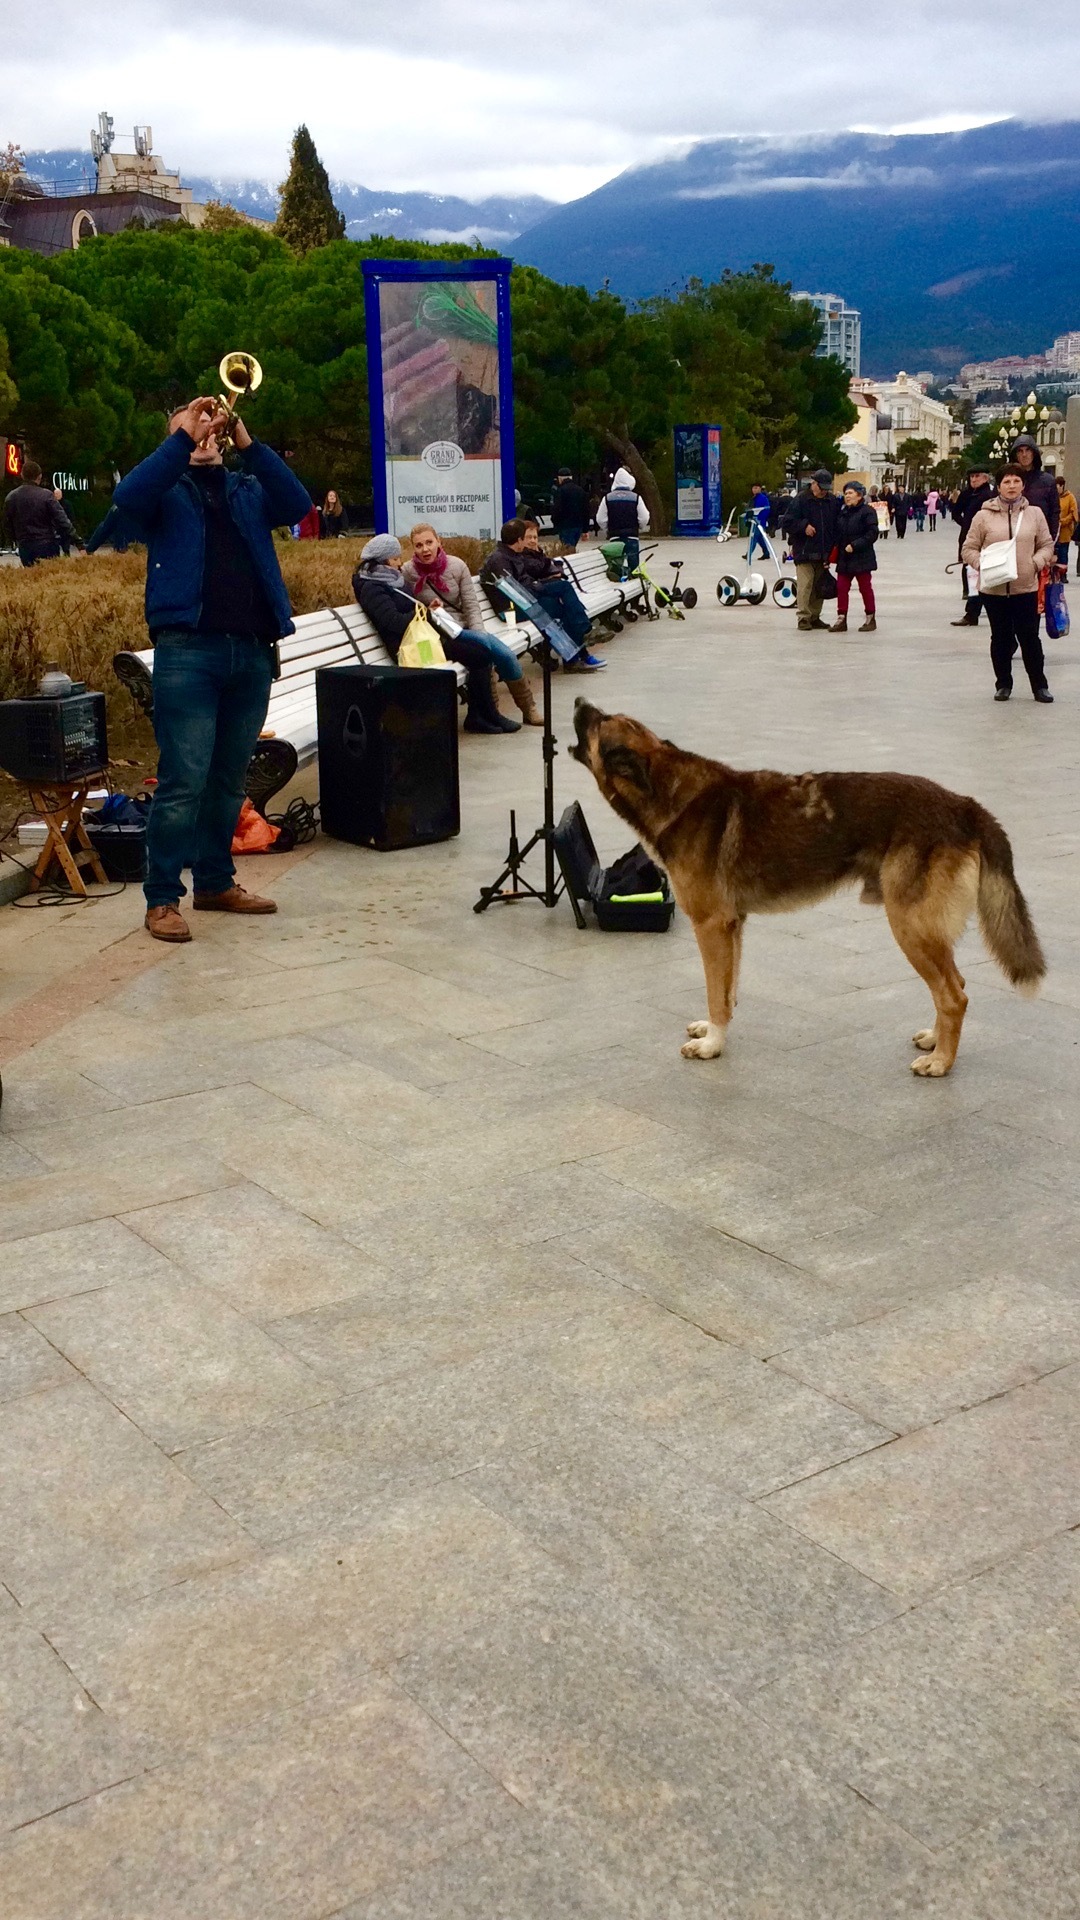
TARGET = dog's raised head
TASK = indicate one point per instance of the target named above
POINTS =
(620, 752)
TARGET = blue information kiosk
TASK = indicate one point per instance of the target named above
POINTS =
(697, 479)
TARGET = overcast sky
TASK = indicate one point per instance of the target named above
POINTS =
(489, 96)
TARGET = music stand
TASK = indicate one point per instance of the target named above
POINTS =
(553, 639)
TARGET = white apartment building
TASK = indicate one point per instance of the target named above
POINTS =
(915, 417)
(891, 411)
(841, 329)
(1064, 355)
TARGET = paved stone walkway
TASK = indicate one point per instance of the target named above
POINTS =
(459, 1461)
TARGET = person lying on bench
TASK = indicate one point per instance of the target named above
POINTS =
(538, 573)
(381, 593)
(441, 579)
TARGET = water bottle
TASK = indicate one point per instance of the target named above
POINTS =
(55, 683)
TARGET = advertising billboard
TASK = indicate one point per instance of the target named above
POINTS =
(697, 479)
(442, 437)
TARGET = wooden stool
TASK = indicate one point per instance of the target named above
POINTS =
(61, 807)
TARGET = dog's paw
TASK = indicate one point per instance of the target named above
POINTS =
(929, 1067)
(707, 1044)
(927, 1039)
(697, 1029)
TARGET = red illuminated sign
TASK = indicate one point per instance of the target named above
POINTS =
(12, 459)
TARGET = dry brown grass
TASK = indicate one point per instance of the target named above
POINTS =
(79, 613)
(82, 611)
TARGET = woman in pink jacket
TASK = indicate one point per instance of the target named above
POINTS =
(1013, 608)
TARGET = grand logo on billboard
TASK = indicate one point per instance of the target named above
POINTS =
(442, 456)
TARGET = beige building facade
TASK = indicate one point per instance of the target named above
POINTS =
(890, 412)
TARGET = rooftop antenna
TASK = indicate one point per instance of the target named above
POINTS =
(144, 142)
(101, 138)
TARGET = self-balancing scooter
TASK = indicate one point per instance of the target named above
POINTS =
(753, 587)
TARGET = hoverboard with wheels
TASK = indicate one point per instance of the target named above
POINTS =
(753, 587)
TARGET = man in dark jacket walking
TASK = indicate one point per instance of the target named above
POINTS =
(216, 607)
(569, 509)
(39, 526)
(974, 494)
(1039, 487)
(810, 525)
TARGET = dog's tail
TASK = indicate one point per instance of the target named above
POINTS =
(1003, 912)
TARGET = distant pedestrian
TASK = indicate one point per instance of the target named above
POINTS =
(39, 526)
(932, 501)
(856, 535)
(623, 515)
(115, 532)
(333, 520)
(569, 510)
(65, 538)
(759, 510)
(1039, 487)
(918, 509)
(881, 508)
(810, 525)
(900, 511)
(1067, 524)
(1013, 608)
(973, 495)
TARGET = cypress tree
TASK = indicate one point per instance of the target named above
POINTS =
(307, 216)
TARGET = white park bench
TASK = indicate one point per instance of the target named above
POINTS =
(343, 637)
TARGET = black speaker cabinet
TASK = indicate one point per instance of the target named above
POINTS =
(388, 755)
(53, 740)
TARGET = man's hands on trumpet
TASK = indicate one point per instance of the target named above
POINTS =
(200, 418)
(205, 420)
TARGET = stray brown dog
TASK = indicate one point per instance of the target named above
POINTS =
(737, 843)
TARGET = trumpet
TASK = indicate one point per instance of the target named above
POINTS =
(240, 373)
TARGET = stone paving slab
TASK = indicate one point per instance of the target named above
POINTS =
(291, 1815)
(89, 1505)
(958, 1710)
(57, 1745)
(954, 1497)
(923, 1362)
(459, 1459)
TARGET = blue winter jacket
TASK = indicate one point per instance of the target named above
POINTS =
(166, 510)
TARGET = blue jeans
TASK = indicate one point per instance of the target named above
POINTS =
(211, 692)
(559, 598)
(498, 655)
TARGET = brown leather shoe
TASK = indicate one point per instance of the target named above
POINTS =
(167, 923)
(233, 900)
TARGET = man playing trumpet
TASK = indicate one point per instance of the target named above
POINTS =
(216, 607)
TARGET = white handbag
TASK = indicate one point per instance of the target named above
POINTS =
(997, 562)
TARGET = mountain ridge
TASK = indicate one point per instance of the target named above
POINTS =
(954, 247)
(494, 221)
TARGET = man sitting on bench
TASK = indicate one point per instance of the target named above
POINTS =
(539, 574)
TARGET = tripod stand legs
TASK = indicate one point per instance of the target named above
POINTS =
(520, 888)
(516, 855)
